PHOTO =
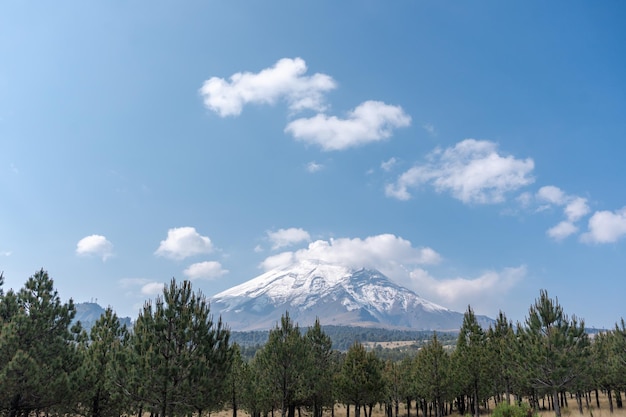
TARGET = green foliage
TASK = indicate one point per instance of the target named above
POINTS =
(37, 350)
(555, 347)
(181, 357)
(512, 410)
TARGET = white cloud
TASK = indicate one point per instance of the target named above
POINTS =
(6, 253)
(552, 194)
(457, 293)
(286, 80)
(562, 230)
(606, 227)
(205, 270)
(95, 245)
(388, 164)
(472, 171)
(314, 167)
(288, 237)
(388, 253)
(370, 121)
(183, 242)
(574, 209)
(152, 289)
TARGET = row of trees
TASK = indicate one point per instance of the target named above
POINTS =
(177, 361)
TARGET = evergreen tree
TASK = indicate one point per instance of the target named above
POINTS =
(360, 380)
(181, 355)
(98, 394)
(282, 362)
(432, 374)
(555, 347)
(37, 349)
(501, 345)
(471, 361)
(318, 379)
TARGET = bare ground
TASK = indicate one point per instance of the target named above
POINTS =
(571, 411)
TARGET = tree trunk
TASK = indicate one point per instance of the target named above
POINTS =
(610, 395)
(555, 403)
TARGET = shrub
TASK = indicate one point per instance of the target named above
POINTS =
(512, 410)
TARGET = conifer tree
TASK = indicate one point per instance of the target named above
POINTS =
(432, 374)
(181, 355)
(471, 360)
(555, 347)
(97, 393)
(37, 349)
(282, 362)
(317, 382)
(360, 379)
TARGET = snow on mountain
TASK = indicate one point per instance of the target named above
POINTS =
(335, 294)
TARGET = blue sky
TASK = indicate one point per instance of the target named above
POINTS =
(472, 151)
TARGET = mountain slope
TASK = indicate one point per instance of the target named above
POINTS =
(335, 294)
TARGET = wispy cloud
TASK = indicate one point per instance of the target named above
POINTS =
(606, 227)
(314, 167)
(370, 121)
(457, 293)
(388, 164)
(183, 242)
(286, 80)
(95, 245)
(430, 128)
(287, 237)
(473, 171)
(152, 289)
(205, 270)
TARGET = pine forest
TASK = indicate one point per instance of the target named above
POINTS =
(178, 360)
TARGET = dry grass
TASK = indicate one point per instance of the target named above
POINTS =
(571, 411)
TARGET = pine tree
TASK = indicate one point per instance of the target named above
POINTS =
(555, 347)
(318, 378)
(471, 360)
(98, 394)
(37, 349)
(282, 361)
(360, 380)
(432, 374)
(181, 356)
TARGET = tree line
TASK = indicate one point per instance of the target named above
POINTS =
(176, 360)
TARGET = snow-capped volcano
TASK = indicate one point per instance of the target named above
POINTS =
(337, 295)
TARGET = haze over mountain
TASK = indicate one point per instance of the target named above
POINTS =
(337, 295)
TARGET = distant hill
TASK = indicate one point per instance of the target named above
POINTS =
(89, 313)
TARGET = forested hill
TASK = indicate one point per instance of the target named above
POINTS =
(344, 336)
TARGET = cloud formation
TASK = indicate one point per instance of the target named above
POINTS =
(95, 245)
(205, 270)
(370, 121)
(183, 242)
(286, 80)
(152, 289)
(287, 237)
(387, 253)
(574, 209)
(388, 164)
(457, 293)
(606, 227)
(314, 167)
(473, 171)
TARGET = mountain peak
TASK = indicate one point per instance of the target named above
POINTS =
(336, 294)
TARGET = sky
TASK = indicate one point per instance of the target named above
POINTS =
(471, 151)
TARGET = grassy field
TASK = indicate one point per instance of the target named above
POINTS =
(571, 411)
